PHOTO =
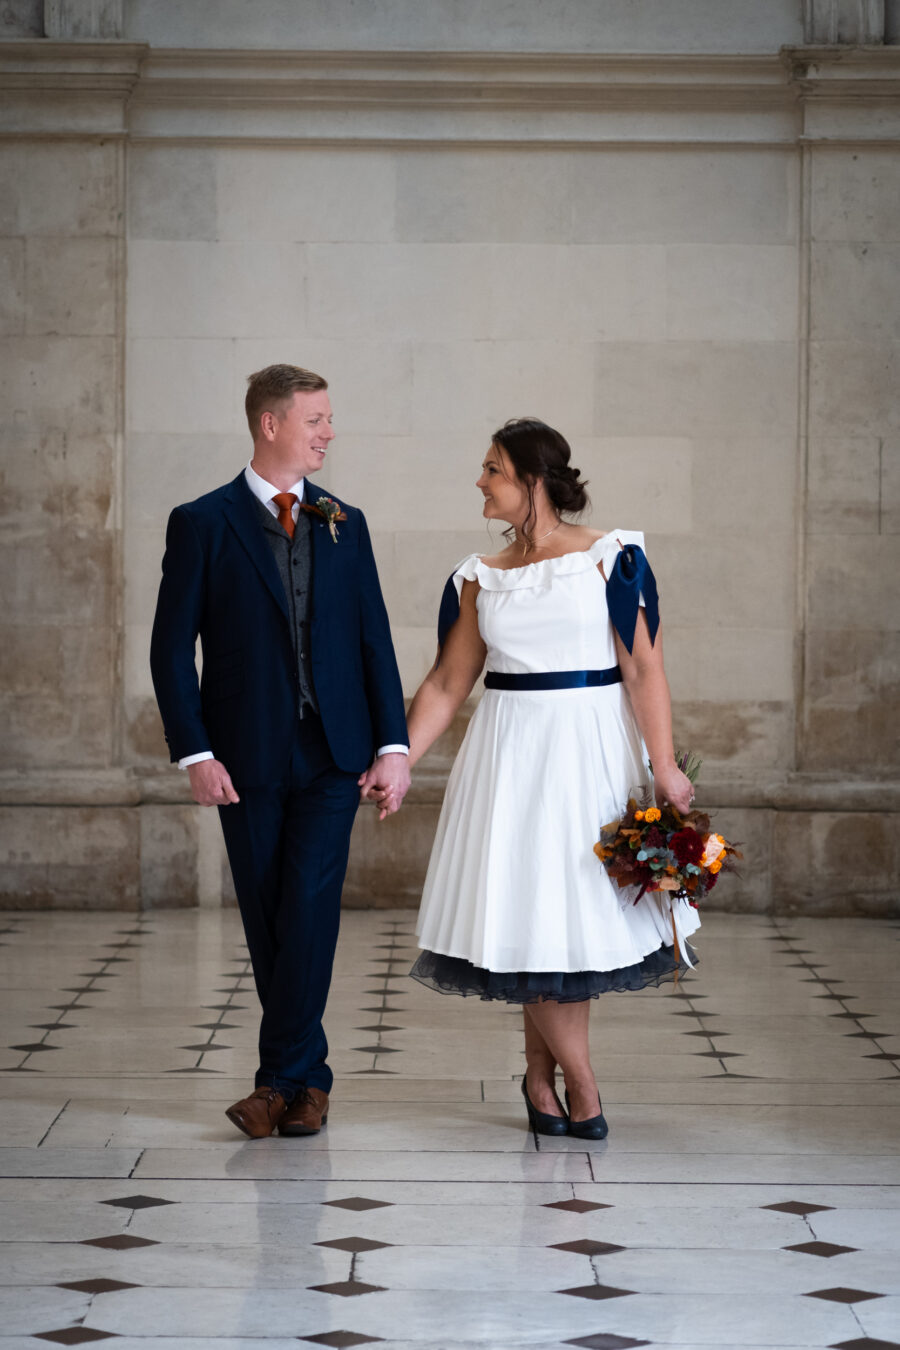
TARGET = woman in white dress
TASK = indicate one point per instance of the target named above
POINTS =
(516, 905)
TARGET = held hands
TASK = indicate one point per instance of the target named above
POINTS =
(671, 785)
(386, 783)
(210, 783)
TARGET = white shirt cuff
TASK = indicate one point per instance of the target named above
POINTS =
(391, 750)
(195, 759)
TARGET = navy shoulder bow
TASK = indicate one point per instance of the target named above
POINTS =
(631, 577)
(448, 613)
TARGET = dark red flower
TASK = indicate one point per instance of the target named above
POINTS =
(687, 845)
(654, 838)
(711, 881)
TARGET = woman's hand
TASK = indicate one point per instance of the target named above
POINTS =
(671, 785)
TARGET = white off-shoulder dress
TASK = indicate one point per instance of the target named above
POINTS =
(516, 904)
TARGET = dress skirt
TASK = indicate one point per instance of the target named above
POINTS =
(516, 904)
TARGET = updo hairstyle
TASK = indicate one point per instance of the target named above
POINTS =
(537, 451)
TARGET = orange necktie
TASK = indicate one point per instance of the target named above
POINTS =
(285, 501)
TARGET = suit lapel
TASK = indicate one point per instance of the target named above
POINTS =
(240, 513)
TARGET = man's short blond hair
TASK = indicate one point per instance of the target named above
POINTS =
(270, 389)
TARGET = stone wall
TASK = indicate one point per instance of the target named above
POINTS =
(669, 228)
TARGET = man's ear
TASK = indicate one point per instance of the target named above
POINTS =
(267, 424)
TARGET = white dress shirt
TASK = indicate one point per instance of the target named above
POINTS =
(265, 492)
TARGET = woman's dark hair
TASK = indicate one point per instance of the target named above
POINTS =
(536, 451)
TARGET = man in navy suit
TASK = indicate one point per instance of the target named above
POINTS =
(299, 694)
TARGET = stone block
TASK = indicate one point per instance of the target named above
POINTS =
(22, 18)
(732, 292)
(70, 286)
(835, 863)
(414, 565)
(696, 389)
(59, 383)
(685, 195)
(716, 664)
(739, 483)
(408, 25)
(491, 195)
(65, 19)
(890, 486)
(415, 649)
(637, 482)
(861, 737)
(145, 553)
(403, 483)
(388, 858)
(850, 22)
(164, 469)
(853, 290)
(741, 584)
(69, 857)
(853, 582)
(60, 188)
(844, 486)
(398, 291)
(184, 385)
(589, 293)
(855, 193)
(56, 731)
(474, 387)
(54, 480)
(168, 856)
(370, 382)
(172, 192)
(144, 736)
(12, 286)
(852, 701)
(742, 734)
(854, 385)
(56, 660)
(300, 194)
(747, 890)
(200, 289)
(60, 576)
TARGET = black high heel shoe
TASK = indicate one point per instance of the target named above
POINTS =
(540, 1121)
(594, 1128)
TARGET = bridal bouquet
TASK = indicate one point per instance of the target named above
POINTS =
(659, 849)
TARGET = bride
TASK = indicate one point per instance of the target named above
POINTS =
(516, 905)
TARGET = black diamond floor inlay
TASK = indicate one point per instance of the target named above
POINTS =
(358, 1202)
(841, 1295)
(596, 1291)
(378, 1028)
(866, 1343)
(576, 1206)
(588, 1247)
(74, 1335)
(354, 1244)
(97, 1286)
(819, 1248)
(138, 1202)
(376, 1049)
(796, 1207)
(341, 1339)
(606, 1341)
(119, 1242)
(347, 1288)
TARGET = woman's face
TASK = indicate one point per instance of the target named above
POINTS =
(505, 495)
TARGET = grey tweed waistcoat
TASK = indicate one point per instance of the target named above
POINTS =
(294, 560)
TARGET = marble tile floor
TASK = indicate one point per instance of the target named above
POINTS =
(748, 1194)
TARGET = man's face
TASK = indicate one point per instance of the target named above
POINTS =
(302, 431)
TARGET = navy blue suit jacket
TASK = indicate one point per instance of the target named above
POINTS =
(220, 581)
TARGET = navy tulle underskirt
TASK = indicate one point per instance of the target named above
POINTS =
(453, 975)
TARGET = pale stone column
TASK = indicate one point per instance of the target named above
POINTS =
(855, 22)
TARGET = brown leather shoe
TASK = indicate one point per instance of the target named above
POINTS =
(307, 1113)
(258, 1114)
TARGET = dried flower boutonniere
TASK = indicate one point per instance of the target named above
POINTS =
(329, 510)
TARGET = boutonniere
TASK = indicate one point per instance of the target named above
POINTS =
(329, 510)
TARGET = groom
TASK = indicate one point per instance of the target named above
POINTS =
(299, 689)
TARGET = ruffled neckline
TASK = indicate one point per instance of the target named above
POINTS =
(540, 574)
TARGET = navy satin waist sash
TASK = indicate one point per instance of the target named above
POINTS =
(554, 679)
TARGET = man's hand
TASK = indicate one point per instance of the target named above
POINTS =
(210, 784)
(386, 783)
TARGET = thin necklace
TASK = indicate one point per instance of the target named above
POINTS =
(542, 537)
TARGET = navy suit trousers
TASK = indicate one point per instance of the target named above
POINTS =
(287, 845)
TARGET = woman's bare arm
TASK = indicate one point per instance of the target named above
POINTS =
(648, 689)
(451, 679)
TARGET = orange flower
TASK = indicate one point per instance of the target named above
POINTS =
(653, 814)
(639, 815)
